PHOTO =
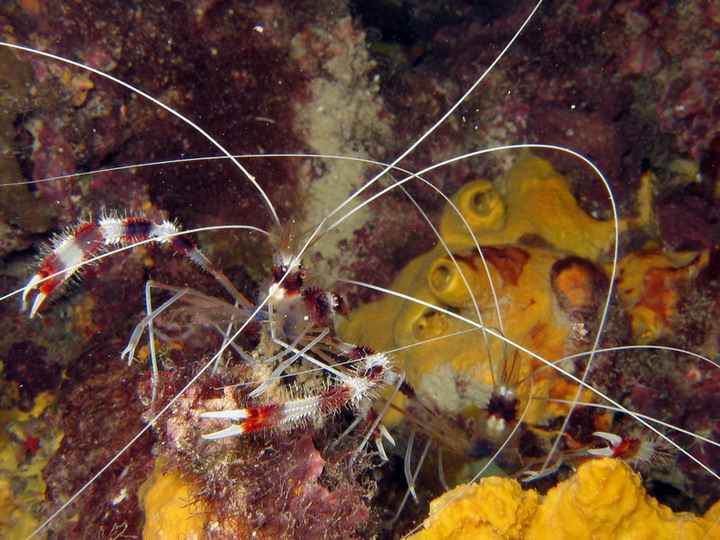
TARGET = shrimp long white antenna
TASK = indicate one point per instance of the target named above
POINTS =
(440, 121)
(455, 263)
(218, 354)
(579, 381)
(323, 226)
(160, 104)
(629, 348)
(130, 246)
(606, 307)
(647, 417)
(487, 464)
(202, 159)
(419, 176)
(475, 153)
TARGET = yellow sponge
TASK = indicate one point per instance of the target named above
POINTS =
(604, 499)
(170, 511)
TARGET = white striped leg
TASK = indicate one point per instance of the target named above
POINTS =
(189, 296)
(412, 480)
(276, 374)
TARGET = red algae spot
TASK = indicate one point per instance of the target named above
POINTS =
(509, 261)
(31, 445)
(662, 292)
(310, 462)
(579, 286)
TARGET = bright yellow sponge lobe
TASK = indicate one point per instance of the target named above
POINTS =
(536, 201)
(170, 511)
(496, 508)
(604, 500)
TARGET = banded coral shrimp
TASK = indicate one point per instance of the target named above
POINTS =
(119, 268)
